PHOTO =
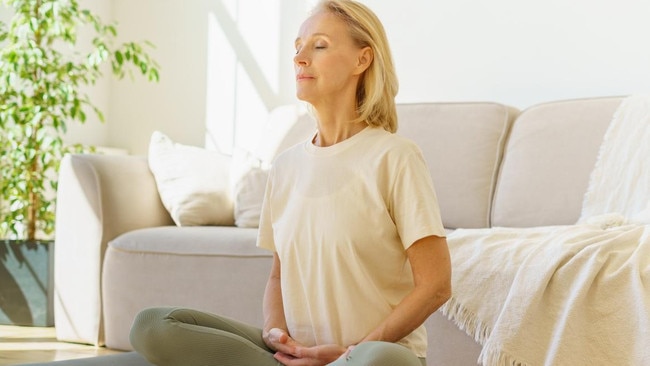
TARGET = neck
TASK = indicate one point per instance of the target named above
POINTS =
(336, 127)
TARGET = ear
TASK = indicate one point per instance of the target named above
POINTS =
(364, 60)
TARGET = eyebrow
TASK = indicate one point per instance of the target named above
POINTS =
(313, 35)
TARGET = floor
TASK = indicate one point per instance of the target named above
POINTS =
(21, 345)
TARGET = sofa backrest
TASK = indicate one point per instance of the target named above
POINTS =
(548, 158)
(462, 145)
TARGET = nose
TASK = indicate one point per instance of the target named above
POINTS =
(301, 59)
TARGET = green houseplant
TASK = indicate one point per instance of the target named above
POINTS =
(44, 73)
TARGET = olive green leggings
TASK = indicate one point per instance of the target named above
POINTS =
(186, 337)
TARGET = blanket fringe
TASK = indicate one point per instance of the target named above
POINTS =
(466, 320)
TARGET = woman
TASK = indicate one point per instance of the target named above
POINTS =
(360, 256)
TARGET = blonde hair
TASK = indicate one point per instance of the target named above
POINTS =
(378, 85)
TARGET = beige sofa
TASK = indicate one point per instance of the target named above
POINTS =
(117, 250)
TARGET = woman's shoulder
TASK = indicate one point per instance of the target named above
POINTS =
(396, 143)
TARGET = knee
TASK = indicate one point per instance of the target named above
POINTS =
(147, 330)
(383, 354)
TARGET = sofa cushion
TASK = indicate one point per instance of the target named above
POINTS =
(550, 153)
(195, 240)
(193, 182)
(462, 144)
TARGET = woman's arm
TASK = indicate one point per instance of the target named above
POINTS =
(273, 308)
(431, 266)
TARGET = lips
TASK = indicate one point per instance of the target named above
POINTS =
(301, 77)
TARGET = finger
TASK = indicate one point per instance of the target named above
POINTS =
(289, 360)
(285, 349)
(278, 335)
(285, 359)
(347, 353)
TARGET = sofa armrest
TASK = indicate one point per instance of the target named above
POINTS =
(99, 197)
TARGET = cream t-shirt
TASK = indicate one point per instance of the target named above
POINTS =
(340, 219)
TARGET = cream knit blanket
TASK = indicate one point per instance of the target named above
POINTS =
(566, 295)
(620, 181)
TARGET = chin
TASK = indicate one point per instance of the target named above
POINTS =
(303, 97)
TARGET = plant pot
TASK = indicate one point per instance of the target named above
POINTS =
(27, 283)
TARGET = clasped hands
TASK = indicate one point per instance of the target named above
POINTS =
(291, 353)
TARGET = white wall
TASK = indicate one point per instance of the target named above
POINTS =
(510, 51)
(203, 47)
(94, 132)
(175, 105)
(516, 52)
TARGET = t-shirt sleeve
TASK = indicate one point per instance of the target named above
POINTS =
(414, 202)
(265, 238)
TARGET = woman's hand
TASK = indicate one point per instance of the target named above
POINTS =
(346, 354)
(309, 356)
(291, 353)
(278, 339)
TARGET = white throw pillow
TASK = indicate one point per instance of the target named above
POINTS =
(249, 176)
(193, 183)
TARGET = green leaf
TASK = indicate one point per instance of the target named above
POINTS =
(119, 58)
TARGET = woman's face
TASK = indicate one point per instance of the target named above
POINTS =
(328, 63)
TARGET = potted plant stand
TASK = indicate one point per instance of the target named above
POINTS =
(27, 283)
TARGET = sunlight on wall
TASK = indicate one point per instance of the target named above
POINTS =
(221, 83)
(243, 57)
